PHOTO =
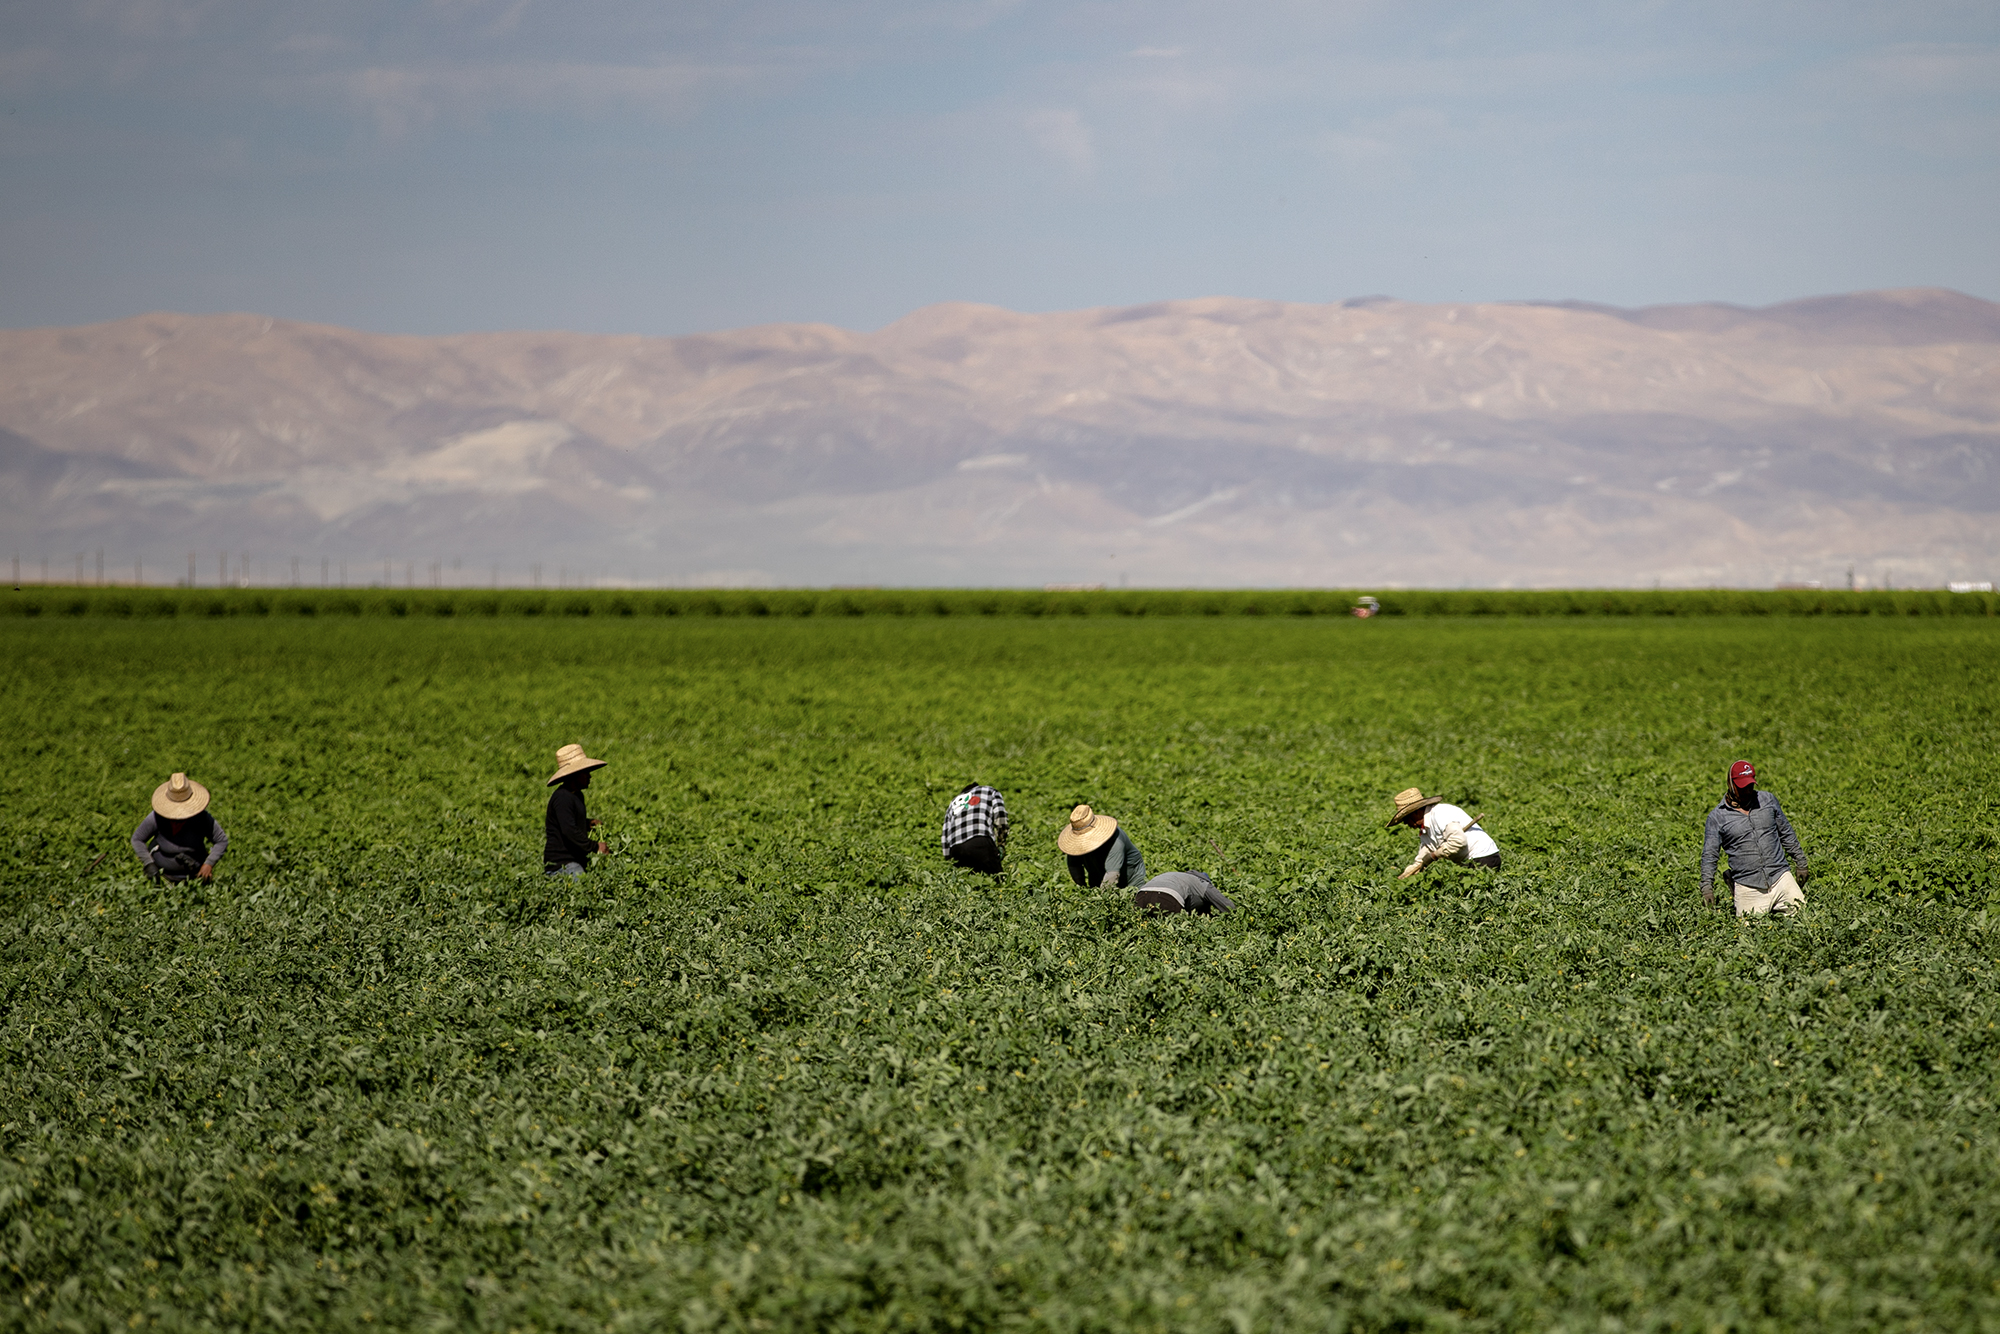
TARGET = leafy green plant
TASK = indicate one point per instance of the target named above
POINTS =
(773, 1060)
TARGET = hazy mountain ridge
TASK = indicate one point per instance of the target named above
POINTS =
(1206, 441)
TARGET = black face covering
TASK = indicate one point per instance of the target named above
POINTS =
(1742, 799)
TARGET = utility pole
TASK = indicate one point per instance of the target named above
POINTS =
(322, 572)
(100, 567)
(190, 569)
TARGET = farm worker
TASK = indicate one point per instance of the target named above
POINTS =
(1751, 827)
(185, 839)
(975, 828)
(1444, 833)
(1099, 852)
(1181, 891)
(569, 843)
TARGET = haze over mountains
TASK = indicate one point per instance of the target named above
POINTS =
(1205, 442)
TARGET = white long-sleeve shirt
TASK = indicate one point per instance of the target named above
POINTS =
(1438, 836)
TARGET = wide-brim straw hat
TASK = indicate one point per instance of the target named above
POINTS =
(1410, 799)
(179, 797)
(572, 760)
(1086, 831)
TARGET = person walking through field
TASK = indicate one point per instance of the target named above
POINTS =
(1444, 833)
(1750, 828)
(975, 828)
(568, 842)
(1099, 852)
(181, 838)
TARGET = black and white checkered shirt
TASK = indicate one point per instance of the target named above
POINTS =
(977, 810)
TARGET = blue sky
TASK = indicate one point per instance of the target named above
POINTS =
(608, 165)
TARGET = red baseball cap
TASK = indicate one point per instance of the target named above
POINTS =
(1742, 774)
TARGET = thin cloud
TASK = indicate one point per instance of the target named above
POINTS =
(402, 99)
(1062, 134)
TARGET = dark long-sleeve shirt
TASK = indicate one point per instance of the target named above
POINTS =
(1756, 841)
(1117, 858)
(566, 830)
(179, 847)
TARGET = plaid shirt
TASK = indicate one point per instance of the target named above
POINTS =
(978, 810)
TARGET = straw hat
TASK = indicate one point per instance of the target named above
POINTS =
(1409, 799)
(1087, 831)
(572, 760)
(179, 797)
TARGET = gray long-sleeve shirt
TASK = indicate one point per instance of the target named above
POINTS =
(1756, 840)
(1196, 891)
(179, 847)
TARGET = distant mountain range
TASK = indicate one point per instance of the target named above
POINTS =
(1206, 442)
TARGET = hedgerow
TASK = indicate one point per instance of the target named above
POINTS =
(958, 602)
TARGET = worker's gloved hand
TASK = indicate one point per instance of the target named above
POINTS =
(1708, 895)
(1805, 874)
(1410, 870)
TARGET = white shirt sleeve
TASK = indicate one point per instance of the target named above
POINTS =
(1449, 832)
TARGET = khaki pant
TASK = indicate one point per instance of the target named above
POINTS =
(1783, 896)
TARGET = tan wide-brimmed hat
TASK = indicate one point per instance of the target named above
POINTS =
(572, 760)
(1409, 799)
(1086, 831)
(179, 797)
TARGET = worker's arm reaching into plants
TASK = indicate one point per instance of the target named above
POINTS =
(1451, 845)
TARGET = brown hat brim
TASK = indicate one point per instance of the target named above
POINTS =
(167, 808)
(582, 766)
(1100, 833)
(1403, 812)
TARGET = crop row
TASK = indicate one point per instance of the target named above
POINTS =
(138, 602)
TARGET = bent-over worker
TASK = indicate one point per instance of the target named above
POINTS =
(975, 828)
(1444, 833)
(1750, 826)
(1099, 852)
(181, 838)
(1181, 891)
(568, 842)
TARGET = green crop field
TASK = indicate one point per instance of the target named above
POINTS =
(773, 1064)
